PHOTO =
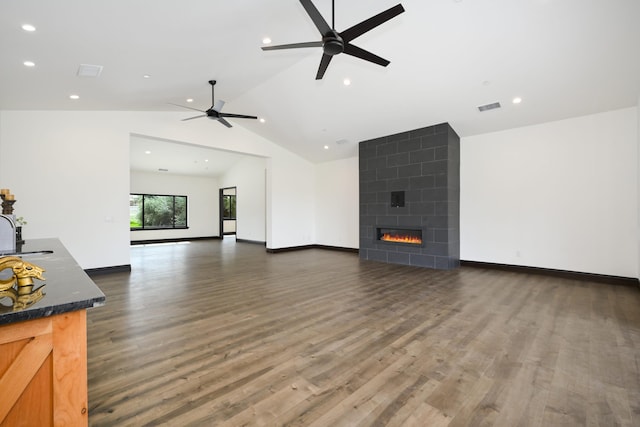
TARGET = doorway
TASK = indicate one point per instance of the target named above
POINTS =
(228, 214)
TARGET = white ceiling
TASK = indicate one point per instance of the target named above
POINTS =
(564, 58)
(161, 156)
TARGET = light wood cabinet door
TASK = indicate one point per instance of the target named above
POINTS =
(43, 371)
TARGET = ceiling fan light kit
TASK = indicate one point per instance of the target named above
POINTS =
(334, 42)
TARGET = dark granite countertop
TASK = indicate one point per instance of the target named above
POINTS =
(68, 288)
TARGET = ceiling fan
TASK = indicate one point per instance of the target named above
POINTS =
(214, 113)
(334, 42)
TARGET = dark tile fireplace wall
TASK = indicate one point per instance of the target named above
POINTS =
(425, 165)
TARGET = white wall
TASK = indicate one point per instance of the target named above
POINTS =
(203, 215)
(229, 226)
(560, 195)
(293, 208)
(248, 176)
(337, 203)
(70, 175)
(69, 171)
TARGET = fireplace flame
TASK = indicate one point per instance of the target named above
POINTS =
(388, 237)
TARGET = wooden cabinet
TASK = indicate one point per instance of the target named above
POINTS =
(43, 371)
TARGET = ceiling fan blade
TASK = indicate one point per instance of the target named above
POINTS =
(190, 108)
(324, 63)
(224, 122)
(195, 117)
(293, 45)
(315, 16)
(352, 50)
(237, 116)
(218, 105)
(369, 24)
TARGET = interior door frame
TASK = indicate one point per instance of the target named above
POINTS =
(221, 193)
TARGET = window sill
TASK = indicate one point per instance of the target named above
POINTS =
(158, 228)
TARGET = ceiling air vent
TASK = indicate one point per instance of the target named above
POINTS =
(488, 107)
(163, 170)
(87, 70)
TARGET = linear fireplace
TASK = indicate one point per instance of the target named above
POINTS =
(410, 198)
(398, 235)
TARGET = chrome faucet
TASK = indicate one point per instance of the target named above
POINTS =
(7, 234)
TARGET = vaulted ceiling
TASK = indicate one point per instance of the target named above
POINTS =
(563, 58)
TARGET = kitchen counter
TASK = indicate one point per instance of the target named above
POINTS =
(43, 347)
(68, 287)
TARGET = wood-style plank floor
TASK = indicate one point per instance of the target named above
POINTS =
(215, 333)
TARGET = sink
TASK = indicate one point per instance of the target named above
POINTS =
(26, 254)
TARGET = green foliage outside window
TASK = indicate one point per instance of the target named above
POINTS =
(135, 210)
(148, 211)
(228, 206)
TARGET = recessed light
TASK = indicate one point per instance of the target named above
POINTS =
(146, 76)
(190, 100)
(28, 27)
(74, 97)
(266, 40)
(517, 100)
(206, 160)
(147, 152)
(346, 82)
(29, 64)
(262, 120)
(326, 147)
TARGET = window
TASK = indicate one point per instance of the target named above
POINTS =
(229, 206)
(157, 212)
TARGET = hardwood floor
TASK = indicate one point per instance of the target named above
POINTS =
(223, 333)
